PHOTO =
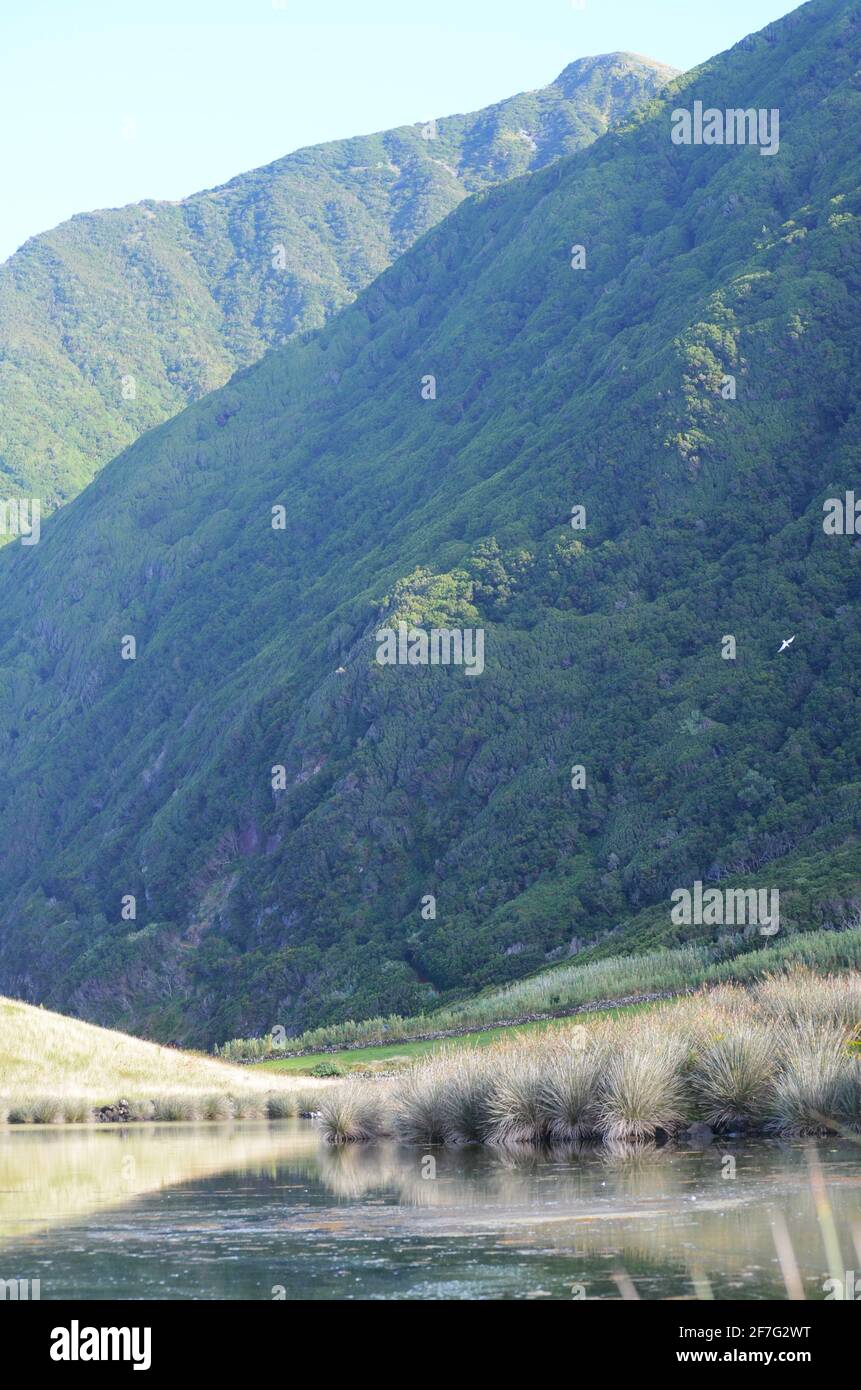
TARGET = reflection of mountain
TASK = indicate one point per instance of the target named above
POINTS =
(52, 1176)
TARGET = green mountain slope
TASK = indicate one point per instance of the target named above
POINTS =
(114, 321)
(256, 647)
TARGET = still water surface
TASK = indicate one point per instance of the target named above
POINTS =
(265, 1211)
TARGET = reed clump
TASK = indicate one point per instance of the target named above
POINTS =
(173, 1106)
(783, 1056)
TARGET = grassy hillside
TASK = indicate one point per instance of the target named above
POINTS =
(53, 1067)
(115, 320)
(564, 990)
(298, 901)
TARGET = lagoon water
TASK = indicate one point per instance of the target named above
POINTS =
(266, 1211)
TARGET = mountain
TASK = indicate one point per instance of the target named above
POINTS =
(114, 321)
(256, 648)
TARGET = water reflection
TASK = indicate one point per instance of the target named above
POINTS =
(49, 1175)
(237, 1210)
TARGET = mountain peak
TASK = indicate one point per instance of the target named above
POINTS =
(601, 66)
(216, 280)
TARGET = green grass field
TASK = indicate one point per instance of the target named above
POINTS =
(361, 1058)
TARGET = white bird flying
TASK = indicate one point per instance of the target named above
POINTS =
(787, 642)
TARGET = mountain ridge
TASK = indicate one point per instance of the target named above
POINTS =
(117, 318)
(302, 903)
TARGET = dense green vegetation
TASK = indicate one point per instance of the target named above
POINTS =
(115, 320)
(552, 991)
(568, 987)
(255, 647)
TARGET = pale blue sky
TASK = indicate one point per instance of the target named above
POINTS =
(104, 102)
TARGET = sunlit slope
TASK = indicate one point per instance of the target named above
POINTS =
(43, 1053)
(153, 778)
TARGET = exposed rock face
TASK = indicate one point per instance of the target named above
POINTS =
(114, 1114)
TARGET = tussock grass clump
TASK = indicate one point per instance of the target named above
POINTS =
(19, 1113)
(814, 1081)
(47, 1110)
(282, 1105)
(420, 1102)
(249, 1106)
(174, 1107)
(141, 1109)
(516, 1103)
(76, 1111)
(468, 1110)
(642, 1089)
(807, 1093)
(570, 1092)
(732, 1077)
(215, 1107)
(307, 1101)
(352, 1113)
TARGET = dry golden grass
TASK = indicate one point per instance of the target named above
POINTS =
(55, 1069)
(783, 1056)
